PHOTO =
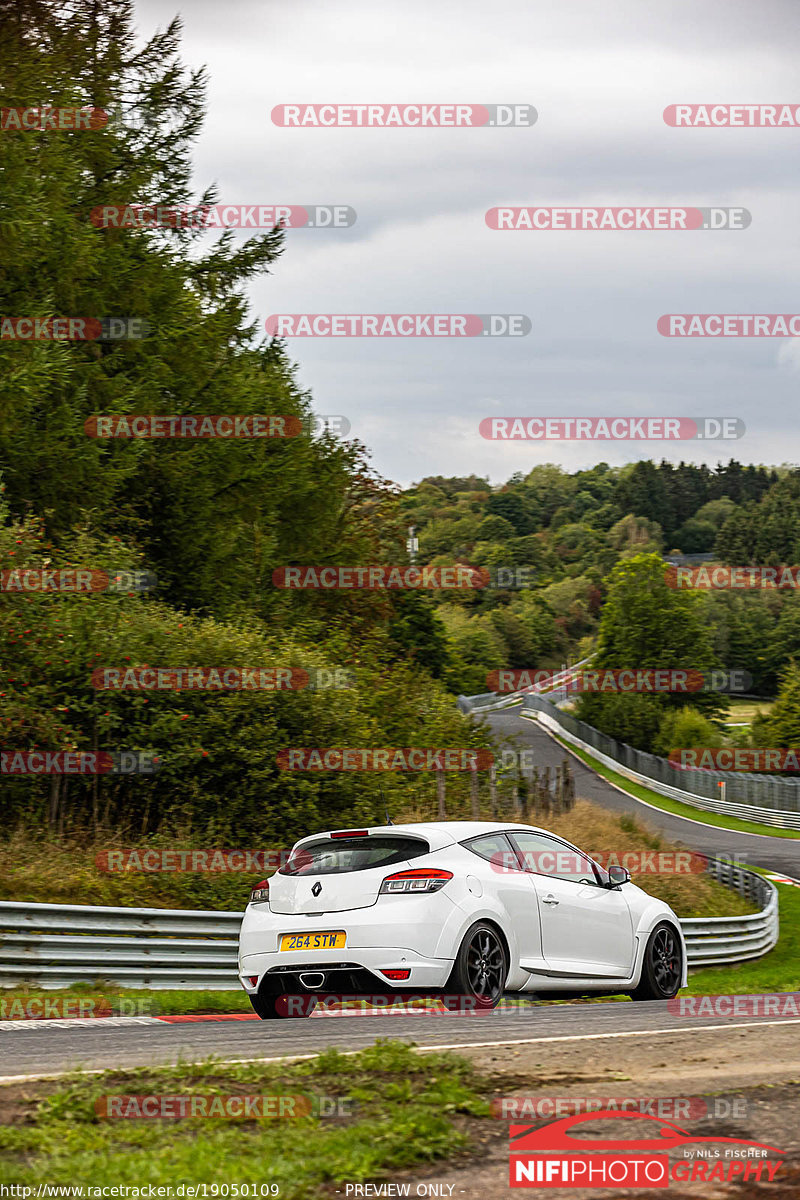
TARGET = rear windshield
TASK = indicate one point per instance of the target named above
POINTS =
(352, 854)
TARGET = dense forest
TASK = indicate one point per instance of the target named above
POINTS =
(212, 519)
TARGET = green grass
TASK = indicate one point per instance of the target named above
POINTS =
(395, 1109)
(129, 1002)
(674, 806)
(778, 971)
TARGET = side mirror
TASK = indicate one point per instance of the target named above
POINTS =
(617, 876)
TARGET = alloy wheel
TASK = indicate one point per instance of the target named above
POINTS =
(665, 958)
(485, 965)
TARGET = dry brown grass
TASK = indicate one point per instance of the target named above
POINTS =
(600, 832)
(53, 873)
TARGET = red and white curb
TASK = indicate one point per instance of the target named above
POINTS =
(112, 1022)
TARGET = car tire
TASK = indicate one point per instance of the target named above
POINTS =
(481, 966)
(662, 966)
(277, 1008)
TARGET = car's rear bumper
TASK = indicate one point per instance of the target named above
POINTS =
(351, 972)
(417, 934)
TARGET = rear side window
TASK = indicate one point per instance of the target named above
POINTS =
(327, 857)
(496, 848)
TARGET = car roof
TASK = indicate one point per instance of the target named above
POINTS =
(439, 833)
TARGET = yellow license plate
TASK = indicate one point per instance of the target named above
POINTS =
(313, 941)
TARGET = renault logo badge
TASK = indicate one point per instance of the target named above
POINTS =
(316, 889)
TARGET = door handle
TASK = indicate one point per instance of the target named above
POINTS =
(550, 900)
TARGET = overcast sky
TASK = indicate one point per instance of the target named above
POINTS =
(599, 75)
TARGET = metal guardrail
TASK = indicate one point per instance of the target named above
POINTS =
(699, 787)
(750, 796)
(55, 945)
(52, 945)
(715, 941)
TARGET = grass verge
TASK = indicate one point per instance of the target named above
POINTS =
(778, 971)
(391, 1110)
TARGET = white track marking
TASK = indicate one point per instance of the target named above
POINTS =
(572, 1037)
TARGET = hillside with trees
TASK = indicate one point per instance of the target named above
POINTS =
(212, 519)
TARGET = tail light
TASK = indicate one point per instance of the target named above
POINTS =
(260, 892)
(396, 973)
(422, 879)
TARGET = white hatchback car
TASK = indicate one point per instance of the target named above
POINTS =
(471, 908)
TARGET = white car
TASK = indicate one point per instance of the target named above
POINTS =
(471, 908)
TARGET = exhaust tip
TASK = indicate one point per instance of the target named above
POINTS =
(313, 980)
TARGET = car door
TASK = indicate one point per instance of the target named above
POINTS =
(501, 874)
(587, 929)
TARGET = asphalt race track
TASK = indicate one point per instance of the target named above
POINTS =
(37, 1048)
(44, 1047)
(775, 854)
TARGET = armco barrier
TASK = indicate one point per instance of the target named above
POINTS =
(768, 799)
(55, 945)
(779, 798)
(714, 941)
(51, 945)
